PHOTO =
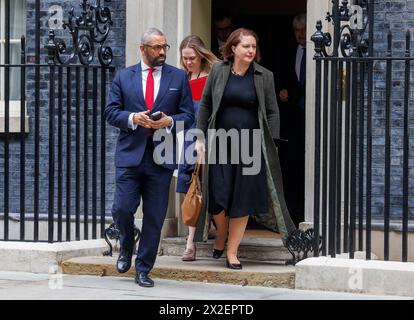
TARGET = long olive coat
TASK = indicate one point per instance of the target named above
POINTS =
(278, 218)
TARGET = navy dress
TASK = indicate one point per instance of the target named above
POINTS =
(230, 190)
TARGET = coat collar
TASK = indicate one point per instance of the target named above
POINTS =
(166, 77)
(137, 83)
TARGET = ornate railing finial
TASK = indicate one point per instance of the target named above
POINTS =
(318, 38)
(353, 21)
(87, 30)
(51, 48)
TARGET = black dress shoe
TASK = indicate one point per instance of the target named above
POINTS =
(124, 261)
(217, 253)
(233, 266)
(143, 280)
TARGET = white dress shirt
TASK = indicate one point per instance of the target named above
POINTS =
(157, 82)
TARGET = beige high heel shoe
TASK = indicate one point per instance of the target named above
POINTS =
(189, 254)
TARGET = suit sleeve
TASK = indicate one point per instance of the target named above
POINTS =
(272, 108)
(114, 112)
(185, 111)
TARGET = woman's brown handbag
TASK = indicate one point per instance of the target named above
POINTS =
(193, 200)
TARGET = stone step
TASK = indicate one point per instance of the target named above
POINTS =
(260, 249)
(254, 273)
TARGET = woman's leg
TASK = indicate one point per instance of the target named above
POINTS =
(237, 227)
(190, 249)
(190, 239)
(222, 224)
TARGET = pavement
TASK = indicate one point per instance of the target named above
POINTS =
(27, 286)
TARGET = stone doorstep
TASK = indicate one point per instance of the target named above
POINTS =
(254, 273)
(254, 249)
(356, 276)
(45, 257)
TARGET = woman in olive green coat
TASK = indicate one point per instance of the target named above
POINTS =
(241, 57)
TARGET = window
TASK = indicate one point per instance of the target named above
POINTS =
(17, 29)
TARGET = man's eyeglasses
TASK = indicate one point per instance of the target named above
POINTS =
(158, 47)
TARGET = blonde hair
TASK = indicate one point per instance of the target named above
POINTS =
(207, 57)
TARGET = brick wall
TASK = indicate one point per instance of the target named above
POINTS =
(116, 41)
(396, 16)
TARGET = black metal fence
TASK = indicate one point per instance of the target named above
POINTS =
(61, 152)
(352, 88)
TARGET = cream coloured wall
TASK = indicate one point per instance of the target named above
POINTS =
(316, 10)
(141, 14)
(172, 17)
(201, 20)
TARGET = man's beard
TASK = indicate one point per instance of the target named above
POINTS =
(159, 61)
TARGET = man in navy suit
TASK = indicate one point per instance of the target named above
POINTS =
(137, 93)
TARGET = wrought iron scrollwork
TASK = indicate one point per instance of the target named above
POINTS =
(300, 244)
(353, 38)
(113, 233)
(88, 30)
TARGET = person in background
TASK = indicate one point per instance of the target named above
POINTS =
(223, 27)
(292, 93)
(197, 61)
(240, 95)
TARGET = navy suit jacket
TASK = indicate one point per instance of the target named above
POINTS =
(126, 97)
(288, 79)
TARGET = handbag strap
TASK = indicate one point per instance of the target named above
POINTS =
(196, 173)
(197, 169)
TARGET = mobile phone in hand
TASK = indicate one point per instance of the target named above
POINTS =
(156, 116)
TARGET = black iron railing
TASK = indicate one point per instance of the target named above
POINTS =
(348, 99)
(62, 154)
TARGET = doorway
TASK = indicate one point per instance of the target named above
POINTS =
(272, 21)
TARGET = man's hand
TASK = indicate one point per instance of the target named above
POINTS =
(164, 122)
(142, 119)
(284, 95)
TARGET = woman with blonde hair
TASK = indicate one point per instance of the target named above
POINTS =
(197, 61)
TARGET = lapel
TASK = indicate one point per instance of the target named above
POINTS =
(258, 83)
(166, 78)
(137, 85)
(223, 78)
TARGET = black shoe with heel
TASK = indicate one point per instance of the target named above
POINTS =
(217, 253)
(234, 266)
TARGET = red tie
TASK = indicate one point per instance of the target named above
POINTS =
(149, 92)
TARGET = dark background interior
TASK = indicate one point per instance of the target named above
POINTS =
(271, 20)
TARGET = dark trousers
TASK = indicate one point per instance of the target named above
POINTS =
(292, 159)
(150, 182)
